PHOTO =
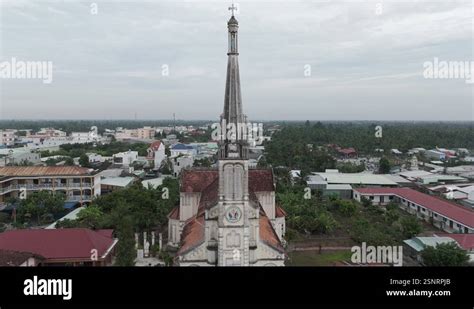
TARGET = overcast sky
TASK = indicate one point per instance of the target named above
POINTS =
(366, 60)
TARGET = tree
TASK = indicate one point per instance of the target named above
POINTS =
(84, 160)
(410, 226)
(447, 254)
(69, 161)
(40, 205)
(90, 217)
(384, 166)
(126, 252)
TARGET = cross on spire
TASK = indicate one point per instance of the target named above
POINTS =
(233, 8)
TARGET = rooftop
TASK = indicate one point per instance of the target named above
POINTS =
(59, 244)
(43, 171)
(355, 178)
(438, 205)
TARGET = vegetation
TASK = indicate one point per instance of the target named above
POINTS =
(384, 166)
(128, 211)
(448, 254)
(363, 222)
(40, 207)
(288, 147)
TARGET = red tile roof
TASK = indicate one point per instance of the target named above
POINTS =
(58, 244)
(466, 241)
(261, 180)
(196, 180)
(436, 204)
(43, 171)
(267, 232)
(174, 214)
(279, 212)
(193, 180)
(193, 234)
(155, 145)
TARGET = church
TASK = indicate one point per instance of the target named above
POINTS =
(227, 215)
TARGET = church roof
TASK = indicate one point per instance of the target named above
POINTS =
(206, 182)
(196, 180)
(279, 212)
(267, 232)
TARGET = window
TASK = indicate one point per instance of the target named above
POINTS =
(371, 198)
(390, 197)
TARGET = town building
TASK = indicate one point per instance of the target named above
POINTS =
(7, 138)
(182, 149)
(443, 214)
(18, 156)
(111, 184)
(76, 183)
(125, 159)
(181, 162)
(63, 247)
(156, 153)
(228, 216)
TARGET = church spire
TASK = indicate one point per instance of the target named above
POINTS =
(236, 147)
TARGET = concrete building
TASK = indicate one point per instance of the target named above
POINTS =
(125, 159)
(76, 183)
(443, 214)
(7, 137)
(181, 162)
(156, 153)
(18, 156)
(183, 149)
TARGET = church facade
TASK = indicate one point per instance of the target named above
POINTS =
(227, 215)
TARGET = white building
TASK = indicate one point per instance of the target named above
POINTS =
(156, 152)
(18, 156)
(125, 159)
(445, 215)
(181, 162)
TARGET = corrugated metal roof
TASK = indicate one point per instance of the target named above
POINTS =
(42, 170)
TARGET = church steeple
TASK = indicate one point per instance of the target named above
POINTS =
(236, 146)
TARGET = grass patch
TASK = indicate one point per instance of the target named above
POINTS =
(313, 258)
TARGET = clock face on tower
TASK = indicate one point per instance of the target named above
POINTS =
(233, 214)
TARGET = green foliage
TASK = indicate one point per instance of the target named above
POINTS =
(204, 162)
(84, 160)
(69, 161)
(410, 226)
(305, 215)
(4, 217)
(39, 207)
(126, 252)
(384, 166)
(288, 146)
(350, 168)
(448, 254)
(345, 207)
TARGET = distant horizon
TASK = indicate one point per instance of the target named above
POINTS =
(213, 120)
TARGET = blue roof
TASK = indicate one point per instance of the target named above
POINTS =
(70, 205)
